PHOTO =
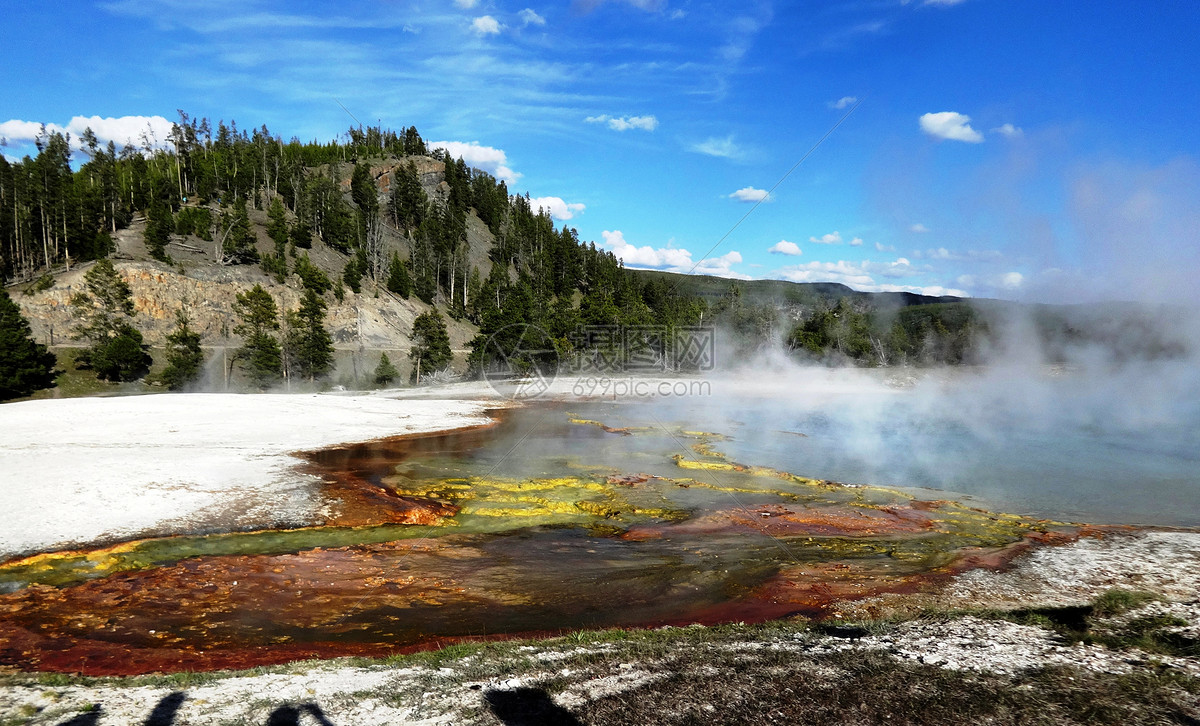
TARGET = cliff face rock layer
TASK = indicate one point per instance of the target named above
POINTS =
(359, 321)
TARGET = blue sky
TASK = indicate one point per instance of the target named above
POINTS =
(1006, 148)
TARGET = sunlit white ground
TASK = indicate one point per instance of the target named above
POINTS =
(84, 470)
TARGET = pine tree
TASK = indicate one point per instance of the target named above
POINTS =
(385, 372)
(275, 264)
(259, 356)
(123, 357)
(352, 274)
(307, 345)
(277, 228)
(301, 234)
(312, 277)
(238, 246)
(407, 205)
(117, 352)
(158, 231)
(430, 345)
(25, 366)
(398, 280)
(185, 359)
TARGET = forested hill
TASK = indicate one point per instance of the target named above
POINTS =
(783, 292)
(282, 253)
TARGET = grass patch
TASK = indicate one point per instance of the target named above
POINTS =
(1115, 602)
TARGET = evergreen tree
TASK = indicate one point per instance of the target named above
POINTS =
(185, 359)
(352, 274)
(385, 372)
(158, 231)
(117, 352)
(123, 357)
(25, 366)
(238, 247)
(407, 205)
(307, 345)
(398, 280)
(430, 345)
(277, 227)
(312, 277)
(301, 234)
(259, 356)
(364, 192)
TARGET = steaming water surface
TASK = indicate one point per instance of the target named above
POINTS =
(1070, 447)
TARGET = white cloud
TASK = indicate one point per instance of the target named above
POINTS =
(783, 247)
(557, 208)
(720, 266)
(647, 256)
(490, 159)
(485, 25)
(671, 259)
(833, 238)
(900, 268)
(884, 248)
(861, 276)
(23, 132)
(950, 125)
(122, 131)
(648, 5)
(529, 17)
(722, 148)
(918, 228)
(846, 273)
(1007, 282)
(856, 242)
(466, 4)
(750, 194)
(844, 102)
(1009, 131)
(624, 123)
(1011, 280)
(941, 253)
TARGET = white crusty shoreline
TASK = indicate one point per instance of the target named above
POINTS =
(86, 470)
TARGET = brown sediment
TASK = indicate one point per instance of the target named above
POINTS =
(777, 520)
(815, 589)
(628, 480)
(347, 472)
(239, 611)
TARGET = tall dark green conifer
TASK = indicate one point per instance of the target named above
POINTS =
(185, 359)
(307, 345)
(25, 366)
(159, 225)
(259, 356)
(430, 345)
(398, 280)
(238, 246)
(117, 352)
(385, 372)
